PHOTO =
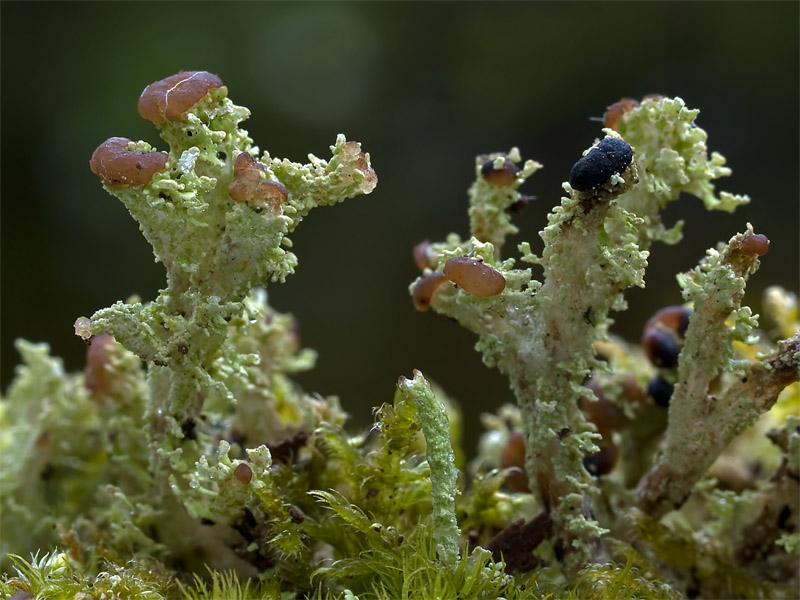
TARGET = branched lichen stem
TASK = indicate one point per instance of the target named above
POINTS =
(577, 294)
(715, 398)
(717, 420)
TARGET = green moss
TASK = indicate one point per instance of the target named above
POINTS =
(55, 577)
(227, 585)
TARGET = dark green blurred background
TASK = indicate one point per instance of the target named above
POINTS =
(425, 87)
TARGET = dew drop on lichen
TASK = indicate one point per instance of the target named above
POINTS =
(83, 328)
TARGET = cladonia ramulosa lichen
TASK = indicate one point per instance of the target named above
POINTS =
(186, 462)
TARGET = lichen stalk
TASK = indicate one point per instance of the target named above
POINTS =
(580, 287)
(540, 336)
(441, 460)
(220, 231)
(716, 396)
(491, 200)
(215, 249)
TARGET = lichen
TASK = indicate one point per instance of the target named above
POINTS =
(441, 460)
(186, 462)
(543, 335)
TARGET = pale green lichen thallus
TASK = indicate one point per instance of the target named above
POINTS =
(187, 462)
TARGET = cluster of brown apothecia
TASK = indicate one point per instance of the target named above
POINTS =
(115, 163)
(470, 274)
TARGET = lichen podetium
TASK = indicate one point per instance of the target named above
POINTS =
(547, 336)
(186, 462)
